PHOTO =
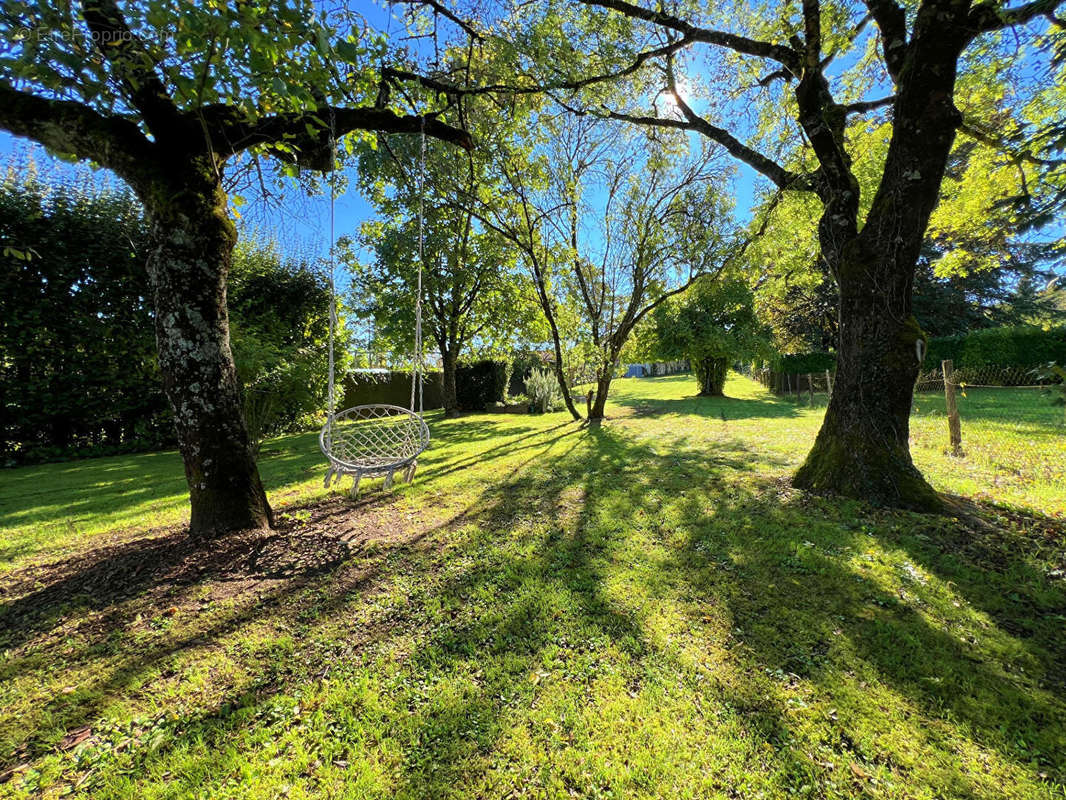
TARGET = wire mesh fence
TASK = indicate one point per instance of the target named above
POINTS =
(1010, 428)
(991, 431)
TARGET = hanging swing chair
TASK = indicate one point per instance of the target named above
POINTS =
(377, 439)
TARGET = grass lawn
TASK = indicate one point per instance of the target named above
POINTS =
(643, 610)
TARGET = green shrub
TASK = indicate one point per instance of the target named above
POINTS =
(1008, 346)
(523, 362)
(481, 383)
(543, 390)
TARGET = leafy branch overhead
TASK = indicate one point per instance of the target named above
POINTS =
(123, 85)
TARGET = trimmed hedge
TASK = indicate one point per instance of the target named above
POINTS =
(394, 388)
(480, 383)
(1009, 346)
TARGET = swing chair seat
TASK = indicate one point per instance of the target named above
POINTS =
(373, 440)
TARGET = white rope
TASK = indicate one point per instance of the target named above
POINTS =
(332, 282)
(416, 372)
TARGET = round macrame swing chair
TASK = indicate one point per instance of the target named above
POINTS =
(377, 439)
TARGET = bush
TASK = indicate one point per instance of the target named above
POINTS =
(543, 390)
(78, 368)
(523, 362)
(481, 383)
(803, 363)
(1008, 346)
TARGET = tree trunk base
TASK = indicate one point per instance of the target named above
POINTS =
(858, 467)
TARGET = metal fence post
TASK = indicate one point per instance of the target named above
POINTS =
(810, 387)
(954, 425)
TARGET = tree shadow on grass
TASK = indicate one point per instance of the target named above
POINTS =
(537, 576)
(727, 408)
(782, 564)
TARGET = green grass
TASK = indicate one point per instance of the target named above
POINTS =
(1014, 446)
(643, 610)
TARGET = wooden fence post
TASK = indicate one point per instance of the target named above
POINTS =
(810, 387)
(954, 425)
(828, 384)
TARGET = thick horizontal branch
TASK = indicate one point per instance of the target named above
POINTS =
(988, 16)
(72, 129)
(312, 132)
(865, 106)
(740, 44)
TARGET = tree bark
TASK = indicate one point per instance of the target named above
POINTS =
(710, 373)
(862, 449)
(599, 403)
(192, 247)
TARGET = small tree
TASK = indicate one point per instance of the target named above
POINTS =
(712, 325)
(610, 225)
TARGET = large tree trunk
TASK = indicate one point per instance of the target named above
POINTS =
(710, 374)
(192, 245)
(862, 449)
(449, 362)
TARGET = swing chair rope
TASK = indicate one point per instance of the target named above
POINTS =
(332, 279)
(374, 439)
(416, 372)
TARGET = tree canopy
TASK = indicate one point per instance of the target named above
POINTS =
(712, 325)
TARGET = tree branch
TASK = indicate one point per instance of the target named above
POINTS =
(1016, 155)
(70, 128)
(740, 44)
(892, 21)
(447, 13)
(311, 132)
(132, 64)
(864, 106)
(450, 90)
(988, 16)
(781, 177)
(812, 29)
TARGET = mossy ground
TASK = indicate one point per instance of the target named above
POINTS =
(641, 610)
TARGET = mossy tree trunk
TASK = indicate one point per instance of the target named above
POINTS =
(192, 247)
(710, 374)
(862, 449)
